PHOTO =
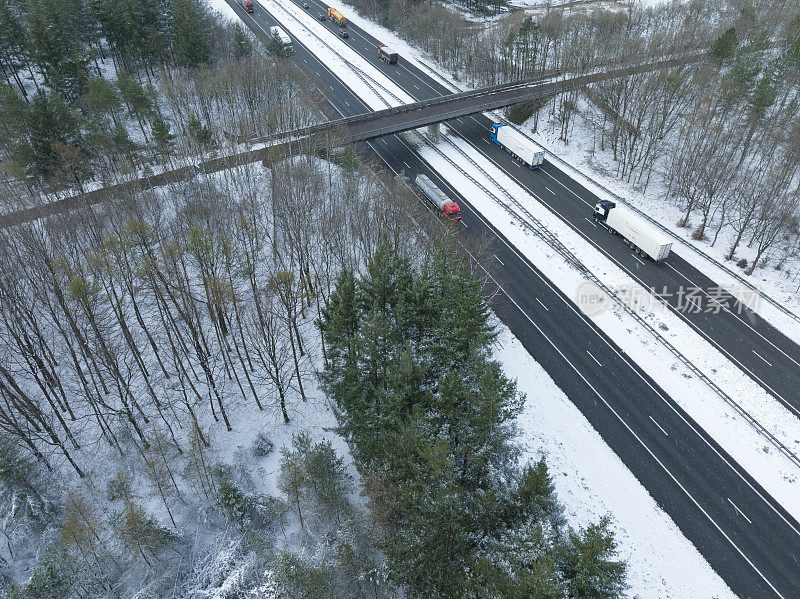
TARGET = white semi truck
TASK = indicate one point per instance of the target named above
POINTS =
(517, 144)
(640, 235)
(279, 33)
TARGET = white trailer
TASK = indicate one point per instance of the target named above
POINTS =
(283, 36)
(515, 142)
(639, 234)
(446, 207)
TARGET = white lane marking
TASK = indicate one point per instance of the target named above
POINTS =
(460, 120)
(591, 222)
(646, 447)
(415, 85)
(736, 507)
(384, 141)
(541, 304)
(346, 102)
(485, 140)
(658, 425)
(498, 259)
(463, 224)
(593, 358)
(694, 326)
(406, 163)
(760, 356)
(331, 87)
(637, 258)
(305, 61)
(657, 392)
(565, 187)
(318, 75)
(738, 316)
(518, 164)
(550, 190)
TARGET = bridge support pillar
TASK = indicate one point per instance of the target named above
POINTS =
(433, 132)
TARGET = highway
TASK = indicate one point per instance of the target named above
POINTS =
(742, 532)
(755, 346)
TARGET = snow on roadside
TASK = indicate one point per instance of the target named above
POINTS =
(592, 481)
(750, 449)
(774, 471)
(224, 9)
(654, 569)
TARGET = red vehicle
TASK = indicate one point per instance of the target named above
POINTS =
(446, 207)
(246, 4)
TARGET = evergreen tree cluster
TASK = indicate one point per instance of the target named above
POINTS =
(60, 106)
(430, 418)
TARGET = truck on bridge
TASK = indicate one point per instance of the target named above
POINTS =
(336, 17)
(640, 235)
(517, 144)
(386, 54)
(446, 207)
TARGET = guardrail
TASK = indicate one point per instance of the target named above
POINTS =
(534, 225)
(538, 228)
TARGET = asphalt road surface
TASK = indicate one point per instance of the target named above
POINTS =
(752, 543)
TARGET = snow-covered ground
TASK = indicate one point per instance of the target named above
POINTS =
(224, 9)
(670, 574)
(771, 468)
(592, 481)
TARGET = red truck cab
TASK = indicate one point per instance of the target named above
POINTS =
(451, 212)
(246, 4)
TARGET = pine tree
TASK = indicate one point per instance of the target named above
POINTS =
(588, 565)
(191, 33)
(102, 99)
(59, 31)
(161, 134)
(13, 118)
(724, 47)
(276, 47)
(199, 132)
(242, 44)
(50, 121)
(136, 98)
(535, 495)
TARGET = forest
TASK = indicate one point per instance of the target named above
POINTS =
(157, 351)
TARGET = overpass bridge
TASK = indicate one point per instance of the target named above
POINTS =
(360, 128)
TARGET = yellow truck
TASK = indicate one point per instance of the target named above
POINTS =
(335, 16)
